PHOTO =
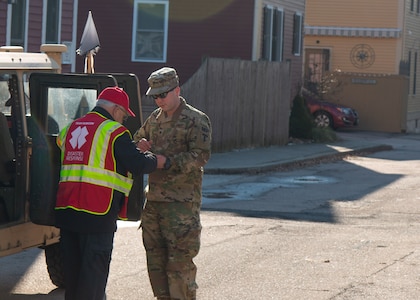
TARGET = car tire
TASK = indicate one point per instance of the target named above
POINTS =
(55, 264)
(323, 119)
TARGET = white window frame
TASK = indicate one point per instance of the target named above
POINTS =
(134, 57)
(44, 20)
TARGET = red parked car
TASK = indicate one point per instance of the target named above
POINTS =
(327, 114)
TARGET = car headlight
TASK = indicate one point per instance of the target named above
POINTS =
(345, 110)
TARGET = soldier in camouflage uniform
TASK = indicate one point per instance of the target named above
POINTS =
(171, 218)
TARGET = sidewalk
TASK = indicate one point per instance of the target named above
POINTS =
(271, 158)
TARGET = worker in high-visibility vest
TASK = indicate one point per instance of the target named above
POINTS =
(97, 156)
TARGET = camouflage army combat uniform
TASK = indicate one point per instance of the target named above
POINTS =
(171, 218)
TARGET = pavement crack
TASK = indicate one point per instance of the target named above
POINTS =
(391, 264)
(353, 285)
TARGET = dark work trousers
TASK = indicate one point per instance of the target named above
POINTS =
(87, 257)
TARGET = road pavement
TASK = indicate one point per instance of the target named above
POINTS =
(363, 245)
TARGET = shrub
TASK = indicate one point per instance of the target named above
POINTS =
(302, 126)
(323, 135)
(300, 121)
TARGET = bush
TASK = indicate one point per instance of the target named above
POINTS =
(323, 135)
(300, 121)
(302, 126)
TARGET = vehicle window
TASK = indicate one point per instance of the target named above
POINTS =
(66, 105)
(4, 95)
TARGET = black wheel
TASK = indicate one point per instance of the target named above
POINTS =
(323, 119)
(55, 264)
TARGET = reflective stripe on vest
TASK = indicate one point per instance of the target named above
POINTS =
(97, 176)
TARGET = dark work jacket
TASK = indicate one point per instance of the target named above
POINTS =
(128, 158)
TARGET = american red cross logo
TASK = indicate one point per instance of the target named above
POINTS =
(78, 137)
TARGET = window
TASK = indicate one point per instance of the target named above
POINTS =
(68, 104)
(412, 5)
(317, 63)
(51, 22)
(18, 23)
(297, 34)
(150, 30)
(418, 6)
(273, 34)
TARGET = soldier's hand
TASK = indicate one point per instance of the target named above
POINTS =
(160, 161)
(144, 145)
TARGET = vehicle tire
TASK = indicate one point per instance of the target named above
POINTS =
(55, 264)
(323, 119)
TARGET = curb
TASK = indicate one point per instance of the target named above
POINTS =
(297, 163)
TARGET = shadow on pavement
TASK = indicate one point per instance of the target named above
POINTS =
(305, 194)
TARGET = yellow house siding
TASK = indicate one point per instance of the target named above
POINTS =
(390, 27)
(381, 24)
(354, 13)
(384, 51)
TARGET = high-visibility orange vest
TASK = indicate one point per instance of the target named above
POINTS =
(88, 175)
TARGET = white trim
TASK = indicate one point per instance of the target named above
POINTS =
(353, 31)
(26, 25)
(44, 21)
(256, 29)
(74, 36)
(9, 24)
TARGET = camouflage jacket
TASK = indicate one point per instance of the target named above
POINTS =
(186, 140)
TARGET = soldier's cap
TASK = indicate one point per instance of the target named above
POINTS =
(162, 80)
(118, 96)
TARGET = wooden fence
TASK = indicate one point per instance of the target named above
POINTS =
(247, 102)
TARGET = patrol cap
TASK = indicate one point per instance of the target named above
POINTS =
(162, 80)
(118, 96)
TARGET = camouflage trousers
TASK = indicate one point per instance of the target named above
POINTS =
(171, 238)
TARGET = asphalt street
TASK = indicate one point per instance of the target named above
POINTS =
(303, 221)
